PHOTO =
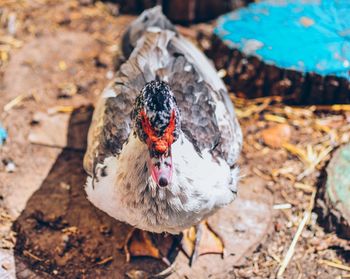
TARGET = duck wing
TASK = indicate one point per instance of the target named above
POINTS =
(208, 116)
(111, 122)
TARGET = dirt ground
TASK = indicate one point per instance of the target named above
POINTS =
(55, 59)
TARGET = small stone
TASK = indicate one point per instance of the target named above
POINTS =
(65, 238)
(12, 24)
(65, 186)
(35, 119)
(62, 65)
(67, 90)
(278, 226)
(276, 135)
(105, 230)
(109, 75)
(10, 166)
(100, 61)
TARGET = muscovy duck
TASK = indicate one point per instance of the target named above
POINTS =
(164, 137)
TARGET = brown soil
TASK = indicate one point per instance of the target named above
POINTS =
(61, 55)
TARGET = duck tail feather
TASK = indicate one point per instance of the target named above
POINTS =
(153, 17)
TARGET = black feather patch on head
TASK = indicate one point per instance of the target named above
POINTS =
(158, 103)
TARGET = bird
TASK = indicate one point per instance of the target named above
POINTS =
(164, 139)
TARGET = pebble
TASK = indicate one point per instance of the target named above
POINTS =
(12, 24)
(109, 75)
(275, 136)
(10, 166)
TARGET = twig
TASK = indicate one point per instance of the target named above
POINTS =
(312, 200)
(334, 108)
(304, 187)
(275, 118)
(14, 102)
(282, 206)
(302, 224)
(301, 154)
(291, 248)
(9, 40)
(270, 99)
(28, 254)
(336, 265)
(104, 261)
(60, 109)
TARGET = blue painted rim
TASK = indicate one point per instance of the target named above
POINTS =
(3, 135)
(307, 36)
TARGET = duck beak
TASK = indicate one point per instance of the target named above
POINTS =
(161, 168)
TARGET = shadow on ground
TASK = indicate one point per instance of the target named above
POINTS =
(61, 235)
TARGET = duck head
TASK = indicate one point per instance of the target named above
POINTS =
(157, 124)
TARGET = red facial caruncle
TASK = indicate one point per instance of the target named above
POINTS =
(162, 143)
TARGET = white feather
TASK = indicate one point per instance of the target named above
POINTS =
(199, 187)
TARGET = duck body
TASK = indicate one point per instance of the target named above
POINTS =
(205, 141)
